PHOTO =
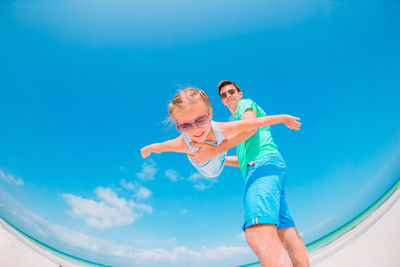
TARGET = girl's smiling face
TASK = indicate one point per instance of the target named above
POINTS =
(189, 114)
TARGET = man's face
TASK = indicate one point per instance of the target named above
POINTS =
(230, 96)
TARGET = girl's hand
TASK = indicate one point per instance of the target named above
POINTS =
(146, 151)
(292, 122)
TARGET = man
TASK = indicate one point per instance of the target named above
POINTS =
(269, 228)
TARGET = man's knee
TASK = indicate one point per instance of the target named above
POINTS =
(264, 241)
(294, 246)
(260, 236)
(290, 237)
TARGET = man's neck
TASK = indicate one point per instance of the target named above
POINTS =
(233, 110)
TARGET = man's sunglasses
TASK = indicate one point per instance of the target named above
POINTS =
(225, 94)
(202, 121)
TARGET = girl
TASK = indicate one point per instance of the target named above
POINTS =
(191, 112)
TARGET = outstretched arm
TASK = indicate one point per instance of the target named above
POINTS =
(245, 124)
(240, 131)
(174, 145)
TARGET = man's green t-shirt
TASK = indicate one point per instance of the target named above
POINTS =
(257, 146)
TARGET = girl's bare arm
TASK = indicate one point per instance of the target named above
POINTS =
(174, 145)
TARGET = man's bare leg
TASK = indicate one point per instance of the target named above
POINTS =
(294, 246)
(264, 241)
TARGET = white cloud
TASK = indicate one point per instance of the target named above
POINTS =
(144, 207)
(9, 178)
(127, 185)
(148, 171)
(143, 193)
(140, 192)
(173, 175)
(76, 239)
(110, 211)
(201, 182)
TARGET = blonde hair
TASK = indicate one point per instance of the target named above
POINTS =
(186, 97)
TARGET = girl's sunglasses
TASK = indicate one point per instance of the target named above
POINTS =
(202, 121)
(230, 91)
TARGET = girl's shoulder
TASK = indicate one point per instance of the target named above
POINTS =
(183, 143)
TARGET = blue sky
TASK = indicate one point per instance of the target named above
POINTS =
(85, 84)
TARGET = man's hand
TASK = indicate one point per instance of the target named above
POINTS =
(292, 122)
(205, 152)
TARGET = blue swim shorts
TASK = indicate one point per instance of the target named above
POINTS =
(264, 198)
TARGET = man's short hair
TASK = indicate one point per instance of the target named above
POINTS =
(226, 82)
